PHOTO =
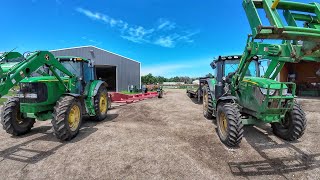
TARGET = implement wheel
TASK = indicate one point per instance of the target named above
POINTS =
(160, 94)
(230, 127)
(12, 120)
(67, 118)
(101, 103)
(293, 125)
(207, 103)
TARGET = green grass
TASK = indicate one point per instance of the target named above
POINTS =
(10, 94)
(127, 92)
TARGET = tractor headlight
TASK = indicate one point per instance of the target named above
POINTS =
(31, 96)
(265, 91)
(285, 92)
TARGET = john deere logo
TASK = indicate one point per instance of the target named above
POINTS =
(47, 57)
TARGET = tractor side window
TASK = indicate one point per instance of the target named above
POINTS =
(232, 66)
(73, 67)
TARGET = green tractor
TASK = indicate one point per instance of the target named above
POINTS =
(239, 95)
(62, 89)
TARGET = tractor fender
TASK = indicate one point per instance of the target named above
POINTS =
(97, 86)
(90, 91)
(226, 99)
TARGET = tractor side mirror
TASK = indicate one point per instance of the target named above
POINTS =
(213, 65)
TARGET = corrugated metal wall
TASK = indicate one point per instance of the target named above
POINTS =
(128, 71)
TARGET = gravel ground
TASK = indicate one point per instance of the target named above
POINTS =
(161, 139)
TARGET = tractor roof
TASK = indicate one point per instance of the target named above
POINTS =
(225, 58)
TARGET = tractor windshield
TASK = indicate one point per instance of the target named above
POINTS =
(73, 67)
(232, 65)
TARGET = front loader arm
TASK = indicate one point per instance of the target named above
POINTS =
(31, 64)
(298, 43)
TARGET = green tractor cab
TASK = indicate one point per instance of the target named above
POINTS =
(62, 89)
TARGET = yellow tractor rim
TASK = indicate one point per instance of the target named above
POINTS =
(74, 117)
(103, 104)
(223, 123)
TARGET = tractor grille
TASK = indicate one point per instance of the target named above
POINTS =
(40, 89)
(259, 96)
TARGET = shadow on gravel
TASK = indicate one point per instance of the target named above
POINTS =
(266, 147)
(45, 143)
(195, 100)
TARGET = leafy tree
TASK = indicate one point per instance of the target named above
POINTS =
(148, 79)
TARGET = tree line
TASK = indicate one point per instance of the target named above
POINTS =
(150, 79)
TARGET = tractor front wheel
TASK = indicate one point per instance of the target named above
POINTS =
(230, 127)
(67, 118)
(293, 125)
(101, 103)
(207, 103)
(12, 120)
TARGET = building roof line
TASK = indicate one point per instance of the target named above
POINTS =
(96, 48)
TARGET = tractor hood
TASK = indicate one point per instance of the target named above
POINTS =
(264, 82)
(43, 79)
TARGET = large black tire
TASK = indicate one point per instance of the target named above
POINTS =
(230, 127)
(101, 103)
(12, 120)
(207, 103)
(67, 118)
(160, 94)
(293, 126)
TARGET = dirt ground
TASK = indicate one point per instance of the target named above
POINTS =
(161, 139)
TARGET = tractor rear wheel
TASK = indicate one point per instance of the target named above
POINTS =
(230, 127)
(293, 125)
(67, 118)
(12, 120)
(207, 103)
(101, 103)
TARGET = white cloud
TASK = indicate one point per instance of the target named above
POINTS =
(95, 16)
(161, 35)
(165, 42)
(166, 25)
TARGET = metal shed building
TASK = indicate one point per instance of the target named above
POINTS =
(118, 71)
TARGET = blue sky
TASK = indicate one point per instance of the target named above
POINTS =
(169, 37)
